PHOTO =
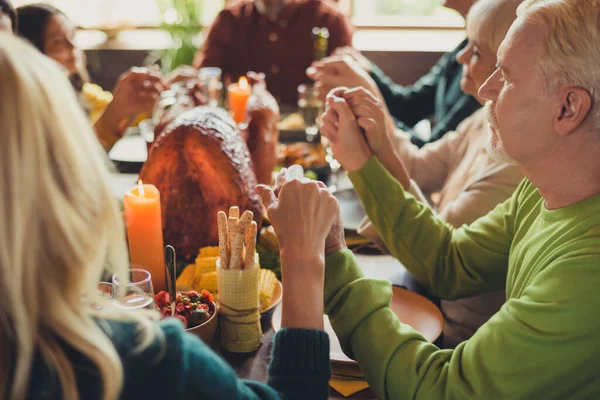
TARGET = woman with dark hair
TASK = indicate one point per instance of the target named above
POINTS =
(135, 94)
(8, 17)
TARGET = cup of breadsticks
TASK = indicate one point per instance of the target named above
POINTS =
(238, 276)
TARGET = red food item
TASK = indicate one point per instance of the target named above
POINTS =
(180, 308)
(201, 165)
(204, 307)
(206, 297)
(191, 294)
(162, 299)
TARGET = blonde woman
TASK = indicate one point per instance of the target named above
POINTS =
(61, 229)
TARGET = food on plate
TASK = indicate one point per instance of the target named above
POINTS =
(267, 282)
(203, 275)
(307, 155)
(200, 164)
(192, 308)
(292, 122)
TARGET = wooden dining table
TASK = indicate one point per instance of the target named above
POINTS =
(254, 365)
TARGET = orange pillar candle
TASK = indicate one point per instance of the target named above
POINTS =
(144, 232)
(238, 94)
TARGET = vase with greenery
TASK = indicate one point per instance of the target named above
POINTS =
(182, 19)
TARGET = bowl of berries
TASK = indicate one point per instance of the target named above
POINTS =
(197, 311)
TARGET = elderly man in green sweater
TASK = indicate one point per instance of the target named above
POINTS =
(541, 245)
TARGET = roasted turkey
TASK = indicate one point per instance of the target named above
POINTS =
(200, 164)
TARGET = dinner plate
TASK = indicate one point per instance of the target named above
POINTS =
(129, 153)
(410, 308)
(275, 300)
(352, 209)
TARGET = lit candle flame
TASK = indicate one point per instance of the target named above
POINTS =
(140, 187)
(243, 82)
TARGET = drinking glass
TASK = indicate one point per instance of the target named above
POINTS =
(135, 290)
(212, 87)
(311, 108)
(146, 127)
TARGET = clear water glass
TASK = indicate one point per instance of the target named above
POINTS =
(311, 108)
(134, 291)
(212, 86)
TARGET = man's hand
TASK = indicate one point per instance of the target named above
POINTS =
(336, 240)
(339, 125)
(361, 60)
(302, 216)
(337, 71)
(371, 116)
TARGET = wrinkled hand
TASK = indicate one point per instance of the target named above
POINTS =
(335, 240)
(302, 213)
(339, 125)
(182, 73)
(337, 71)
(371, 116)
(361, 60)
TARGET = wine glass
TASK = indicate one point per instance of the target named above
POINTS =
(311, 108)
(212, 87)
(134, 290)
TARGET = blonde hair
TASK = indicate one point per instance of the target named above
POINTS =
(61, 229)
(493, 18)
(572, 52)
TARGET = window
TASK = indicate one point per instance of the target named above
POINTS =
(147, 13)
(401, 13)
(103, 13)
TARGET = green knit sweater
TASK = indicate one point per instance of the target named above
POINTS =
(544, 342)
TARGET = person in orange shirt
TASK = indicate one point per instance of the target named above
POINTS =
(274, 37)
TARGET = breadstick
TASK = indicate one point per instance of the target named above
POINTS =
(232, 224)
(250, 245)
(237, 240)
(223, 239)
(234, 212)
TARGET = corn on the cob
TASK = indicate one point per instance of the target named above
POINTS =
(209, 281)
(188, 277)
(211, 251)
(266, 283)
(206, 264)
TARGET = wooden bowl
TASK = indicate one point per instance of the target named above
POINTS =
(206, 331)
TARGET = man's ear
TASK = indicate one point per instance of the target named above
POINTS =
(575, 103)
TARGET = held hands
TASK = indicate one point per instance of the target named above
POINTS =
(302, 213)
(136, 93)
(361, 60)
(336, 71)
(340, 126)
(335, 239)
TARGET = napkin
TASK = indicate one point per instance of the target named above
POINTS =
(239, 308)
(348, 386)
(349, 379)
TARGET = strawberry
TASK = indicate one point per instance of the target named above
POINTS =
(162, 299)
(207, 297)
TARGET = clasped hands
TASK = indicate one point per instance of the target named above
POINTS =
(356, 123)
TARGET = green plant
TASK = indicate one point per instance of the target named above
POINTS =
(183, 20)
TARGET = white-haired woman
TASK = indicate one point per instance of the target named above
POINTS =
(467, 183)
(61, 229)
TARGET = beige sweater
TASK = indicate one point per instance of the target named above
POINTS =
(470, 184)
